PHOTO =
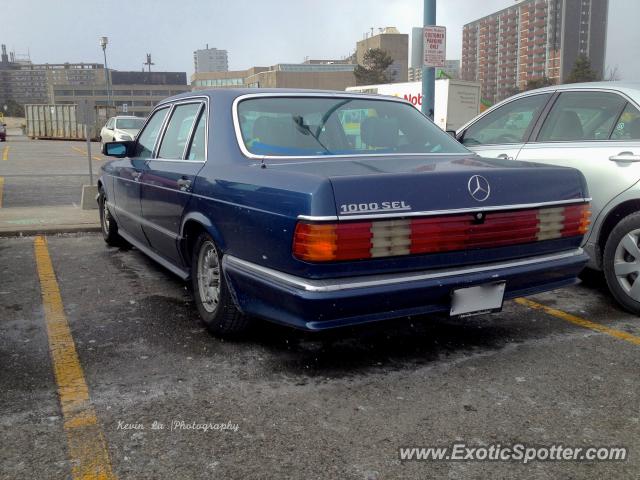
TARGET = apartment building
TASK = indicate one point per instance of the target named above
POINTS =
(532, 39)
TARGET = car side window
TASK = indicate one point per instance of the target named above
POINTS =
(178, 130)
(579, 116)
(148, 136)
(506, 124)
(628, 125)
(197, 146)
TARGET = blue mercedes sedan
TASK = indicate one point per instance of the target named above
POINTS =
(324, 209)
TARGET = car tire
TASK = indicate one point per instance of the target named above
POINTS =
(108, 224)
(621, 262)
(211, 292)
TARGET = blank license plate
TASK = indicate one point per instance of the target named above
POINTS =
(477, 300)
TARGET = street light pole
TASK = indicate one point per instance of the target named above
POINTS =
(103, 43)
(428, 73)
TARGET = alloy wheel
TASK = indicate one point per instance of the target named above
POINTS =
(208, 272)
(626, 264)
(106, 217)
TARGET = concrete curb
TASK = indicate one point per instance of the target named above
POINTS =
(23, 221)
(49, 230)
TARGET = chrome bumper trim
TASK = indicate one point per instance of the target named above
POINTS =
(351, 283)
(431, 213)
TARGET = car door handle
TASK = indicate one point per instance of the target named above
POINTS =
(136, 176)
(625, 157)
(184, 184)
(504, 156)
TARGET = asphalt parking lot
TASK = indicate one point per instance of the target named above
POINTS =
(335, 405)
(44, 172)
(101, 348)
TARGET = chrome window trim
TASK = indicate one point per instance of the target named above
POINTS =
(353, 283)
(431, 213)
(625, 97)
(160, 132)
(174, 161)
(359, 96)
(329, 158)
(203, 112)
(495, 107)
(172, 105)
(529, 94)
(580, 143)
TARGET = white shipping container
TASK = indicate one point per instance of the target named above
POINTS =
(63, 121)
(455, 103)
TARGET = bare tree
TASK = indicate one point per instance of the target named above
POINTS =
(612, 75)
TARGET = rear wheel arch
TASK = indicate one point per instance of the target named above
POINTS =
(612, 219)
(192, 226)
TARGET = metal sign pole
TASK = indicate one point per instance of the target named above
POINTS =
(88, 118)
(89, 154)
(428, 73)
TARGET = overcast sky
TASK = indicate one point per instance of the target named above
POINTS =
(255, 32)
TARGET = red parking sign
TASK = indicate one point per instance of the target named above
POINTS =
(434, 41)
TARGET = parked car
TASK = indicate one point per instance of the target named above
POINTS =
(594, 127)
(120, 128)
(3, 132)
(325, 209)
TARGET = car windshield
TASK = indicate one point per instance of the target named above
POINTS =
(321, 126)
(129, 123)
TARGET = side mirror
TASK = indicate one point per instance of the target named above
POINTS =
(109, 128)
(452, 133)
(118, 149)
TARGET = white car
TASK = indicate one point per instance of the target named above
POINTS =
(120, 129)
(594, 127)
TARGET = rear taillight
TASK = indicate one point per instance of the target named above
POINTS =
(324, 242)
(577, 219)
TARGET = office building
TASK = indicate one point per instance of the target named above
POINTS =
(210, 60)
(230, 79)
(313, 74)
(532, 39)
(321, 76)
(416, 48)
(133, 93)
(395, 44)
(27, 82)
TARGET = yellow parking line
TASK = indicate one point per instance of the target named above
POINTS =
(84, 152)
(85, 441)
(619, 334)
(5, 153)
(1, 190)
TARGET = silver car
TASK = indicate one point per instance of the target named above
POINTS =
(120, 129)
(594, 127)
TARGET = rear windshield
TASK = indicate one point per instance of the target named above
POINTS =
(129, 123)
(312, 126)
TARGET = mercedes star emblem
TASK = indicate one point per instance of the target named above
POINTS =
(479, 188)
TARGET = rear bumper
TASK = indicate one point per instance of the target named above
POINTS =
(322, 304)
